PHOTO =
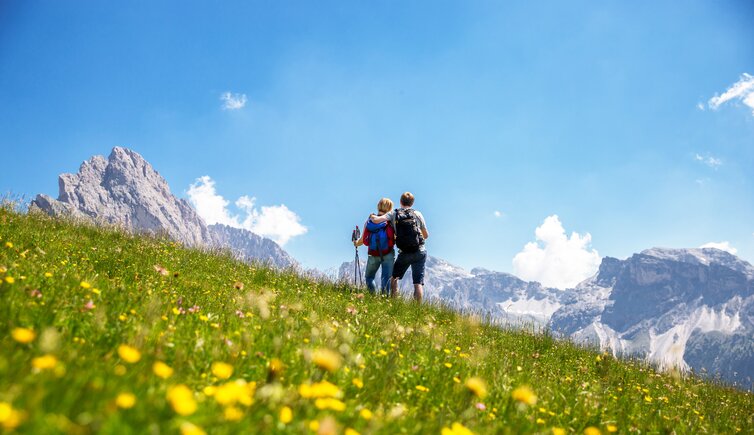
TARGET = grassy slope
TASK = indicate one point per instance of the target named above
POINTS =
(392, 346)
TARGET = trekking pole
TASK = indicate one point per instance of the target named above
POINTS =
(356, 235)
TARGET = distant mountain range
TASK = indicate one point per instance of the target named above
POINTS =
(125, 190)
(687, 308)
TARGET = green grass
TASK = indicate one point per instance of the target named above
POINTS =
(391, 346)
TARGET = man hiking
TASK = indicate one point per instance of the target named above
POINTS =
(410, 234)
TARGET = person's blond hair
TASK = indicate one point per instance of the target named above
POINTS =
(385, 205)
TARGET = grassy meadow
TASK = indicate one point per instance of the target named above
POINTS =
(104, 332)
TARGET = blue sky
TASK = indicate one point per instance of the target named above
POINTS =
(597, 112)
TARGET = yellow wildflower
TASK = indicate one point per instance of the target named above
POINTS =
(191, 429)
(366, 414)
(48, 275)
(162, 370)
(85, 285)
(129, 354)
(9, 417)
(448, 365)
(422, 388)
(327, 359)
(357, 382)
(456, 429)
(314, 426)
(232, 413)
(45, 362)
(23, 335)
(350, 431)
(9, 279)
(286, 415)
(524, 395)
(477, 387)
(330, 403)
(558, 431)
(222, 370)
(8, 244)
(181, 398)
(611, 428)
(125, 400)
(238, 391)
(591, 430)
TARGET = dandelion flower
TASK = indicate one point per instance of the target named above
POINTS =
(558, 431)
(45, 362)
(162, 370)
(350, 431)
(477, 387)
(48, 275)
(357, 382)
(85, 285)
(366, 414)
(591, 430)
(238, 391)
(330, 403)
(23, 335)
(222, 370)
(9, 417)
(327, 359)
(125, 400)
(456, 429)
(524, 395)
(286, 415)
(181, 398)
(611, 428)
(9, 279)
(191, 429)
(422, 388)
(232, 413)
(129, 354)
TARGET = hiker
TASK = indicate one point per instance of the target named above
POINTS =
(410, 234)
(379, 238)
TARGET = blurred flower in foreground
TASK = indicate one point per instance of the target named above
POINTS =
(125, 400)
(222, 370)
(162, 370)
(286, 415)
(181, 398)
(456, 429)
(23, 335)
(524, 395)
(129, 354)
(45, 362)
(477, 387)
(327, 359)
(191, 429)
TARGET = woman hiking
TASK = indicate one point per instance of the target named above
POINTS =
(379, 238)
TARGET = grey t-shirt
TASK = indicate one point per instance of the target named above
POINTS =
(422, 224)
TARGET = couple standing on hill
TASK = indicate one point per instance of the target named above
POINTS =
(405, 228)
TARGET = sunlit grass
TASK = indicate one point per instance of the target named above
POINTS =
(102, 331)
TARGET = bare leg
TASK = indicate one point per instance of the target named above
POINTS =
(393, 287)
(418, 292)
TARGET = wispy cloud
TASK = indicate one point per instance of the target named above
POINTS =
(233, 101)
(556, 260)
(742, 90)
(498, 214)
(711, 161)
(276, 222)
(723, 246)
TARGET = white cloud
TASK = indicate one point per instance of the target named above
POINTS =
(742, 90)
(233, 101)
(555, 259)
(723, 246)
(712, 162)
(276, 222)
(498, 214)
(700, 106)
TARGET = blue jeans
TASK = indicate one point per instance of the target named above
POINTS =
(373, 263)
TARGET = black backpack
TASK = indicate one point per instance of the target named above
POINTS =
(408, 236)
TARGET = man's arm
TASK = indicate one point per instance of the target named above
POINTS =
(425, 233)
(379, 219)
